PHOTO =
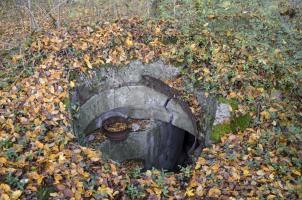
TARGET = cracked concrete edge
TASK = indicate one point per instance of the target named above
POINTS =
(143, 96)
(135, 109)
(111, 77)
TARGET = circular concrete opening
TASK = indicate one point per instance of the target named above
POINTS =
(137, 92)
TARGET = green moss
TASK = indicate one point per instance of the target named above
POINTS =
(3, 84)
(74, 75)
(219, 130)
(66, 102)
(240, 123)
(236, 123)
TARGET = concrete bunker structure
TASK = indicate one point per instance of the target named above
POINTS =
(138, 91)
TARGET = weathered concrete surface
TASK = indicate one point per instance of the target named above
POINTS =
(160, 146)
(137, 91)
(146, 103)
(223, 114)
(208, 107)
(112, 77)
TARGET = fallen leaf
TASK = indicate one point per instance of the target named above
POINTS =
(71, 84)
(16, 194)
(189, 192)
(214, 192)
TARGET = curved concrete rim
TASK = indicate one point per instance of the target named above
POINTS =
(140, 112)
(138, 102)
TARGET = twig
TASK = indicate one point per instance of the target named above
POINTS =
(32, 17)
(56, 22)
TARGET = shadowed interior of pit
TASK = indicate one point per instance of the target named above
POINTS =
(172, 149)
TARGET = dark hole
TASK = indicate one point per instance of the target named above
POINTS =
(167, 147)
(172, 150)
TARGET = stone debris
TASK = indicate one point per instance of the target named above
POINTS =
(223, 114)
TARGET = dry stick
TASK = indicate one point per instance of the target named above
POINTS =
(49, 13)
(59, 16)
(174, 8)
(32, 18)
(148, 5)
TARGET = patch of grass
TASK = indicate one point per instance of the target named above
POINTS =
(240, 123)
(135, 192)
(43, 193)
(67, 102)
(14, 181)
(219, 130)
(6, 143)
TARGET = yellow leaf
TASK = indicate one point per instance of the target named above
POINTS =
(148, 173)
(271, 196)
(16, 58)
(105, 190)
(86, 59)
(71, 84)
(36, 176)
(39, 144)
(193, 46)
(16, 194)
(4, 197)
(5, 187)
(261, 90)
(149, 191)
(113, 169)
(58, 178)
(296, 172)
(265, 114)
(201, 161)
(260, 173)
(91, 154)
(246, 172)
(215, 167)
(214, 192)
(189, 192)
(128, 42)
(51, 89)
(206, 71)
(271, 109)
(3, 160)
(157, 191)
(62, 107)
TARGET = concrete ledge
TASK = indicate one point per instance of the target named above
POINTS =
(139, 102)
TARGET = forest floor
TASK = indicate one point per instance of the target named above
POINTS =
(40, 157)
